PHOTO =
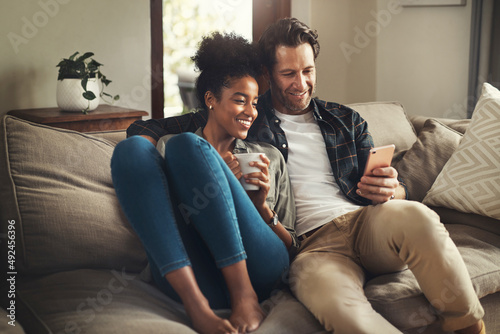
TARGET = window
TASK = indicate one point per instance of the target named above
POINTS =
(261, 14)
(185, 22)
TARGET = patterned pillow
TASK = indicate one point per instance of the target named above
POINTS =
(470, 180)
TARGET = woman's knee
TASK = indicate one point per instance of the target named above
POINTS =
(133, 153)
(183, 143)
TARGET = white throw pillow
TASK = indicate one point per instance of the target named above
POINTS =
(470, 180)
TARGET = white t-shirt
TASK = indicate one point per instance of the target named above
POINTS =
(318, 198)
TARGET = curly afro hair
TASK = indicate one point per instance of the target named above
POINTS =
(220, 58)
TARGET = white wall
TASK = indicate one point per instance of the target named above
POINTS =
(342, 79)
(36, 35)
(419, 56)
(423, 59)
(378, 50)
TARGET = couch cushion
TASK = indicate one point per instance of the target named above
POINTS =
(423, 162)
(114, 136)
(387, 123)
(459, 125)
(99, 301)
(470, 180)
(450, 216)
(398, 296)
(56, 187)
(10, 326)
(109, 301)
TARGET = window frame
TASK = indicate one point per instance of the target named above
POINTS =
(265, 12)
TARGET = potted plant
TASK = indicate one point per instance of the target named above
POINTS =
(78, 85)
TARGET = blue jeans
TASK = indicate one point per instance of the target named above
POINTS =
(190, 210)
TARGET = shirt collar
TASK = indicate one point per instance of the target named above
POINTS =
(315, 110)
(240, 146)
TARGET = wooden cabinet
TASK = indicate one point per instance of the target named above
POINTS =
(104, 118)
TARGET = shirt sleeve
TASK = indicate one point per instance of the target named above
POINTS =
(154, 128)
(157, 128)
(285, 205)
(364, 142)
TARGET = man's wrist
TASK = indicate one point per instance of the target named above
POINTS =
(400, 192)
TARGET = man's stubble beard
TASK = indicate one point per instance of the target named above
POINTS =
(287, 103)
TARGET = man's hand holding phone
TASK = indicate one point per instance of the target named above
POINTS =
(380, 180)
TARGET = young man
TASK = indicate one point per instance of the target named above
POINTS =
(349, 224)
(326, 147)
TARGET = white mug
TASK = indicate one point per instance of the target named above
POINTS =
(244, 160)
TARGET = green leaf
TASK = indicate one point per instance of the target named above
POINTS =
(72, 57)
(89, 95)
(94, 63)
(80, 69)
(84, 83)
(85, 56)
(93, 66)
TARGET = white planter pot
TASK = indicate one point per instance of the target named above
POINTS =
(69, 95)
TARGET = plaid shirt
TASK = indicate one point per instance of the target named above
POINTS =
(345, 133)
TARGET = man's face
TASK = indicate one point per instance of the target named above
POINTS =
(293, 79)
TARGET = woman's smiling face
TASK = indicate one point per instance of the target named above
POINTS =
(236, 109)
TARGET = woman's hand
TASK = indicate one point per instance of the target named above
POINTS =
(260, 179)
(233, 164)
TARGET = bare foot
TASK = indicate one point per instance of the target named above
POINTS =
(477, 328)
(247, 314)
(196, 304)
(205, 321)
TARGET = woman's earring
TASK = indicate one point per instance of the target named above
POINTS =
(210, 107)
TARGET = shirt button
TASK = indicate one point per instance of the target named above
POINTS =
(284, 145)
(276, 121)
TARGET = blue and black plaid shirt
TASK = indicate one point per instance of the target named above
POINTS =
(345, 132)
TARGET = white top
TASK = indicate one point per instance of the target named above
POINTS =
(318, 198)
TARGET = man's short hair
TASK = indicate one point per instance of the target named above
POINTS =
(288, 32)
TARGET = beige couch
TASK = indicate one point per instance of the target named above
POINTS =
(78, 262)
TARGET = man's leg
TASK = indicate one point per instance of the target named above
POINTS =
(403, 232)
(328, 281)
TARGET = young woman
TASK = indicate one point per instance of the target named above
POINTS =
(210, 244)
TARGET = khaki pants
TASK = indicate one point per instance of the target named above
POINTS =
(328, 274)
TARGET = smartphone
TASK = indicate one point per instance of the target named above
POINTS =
(379, 157)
